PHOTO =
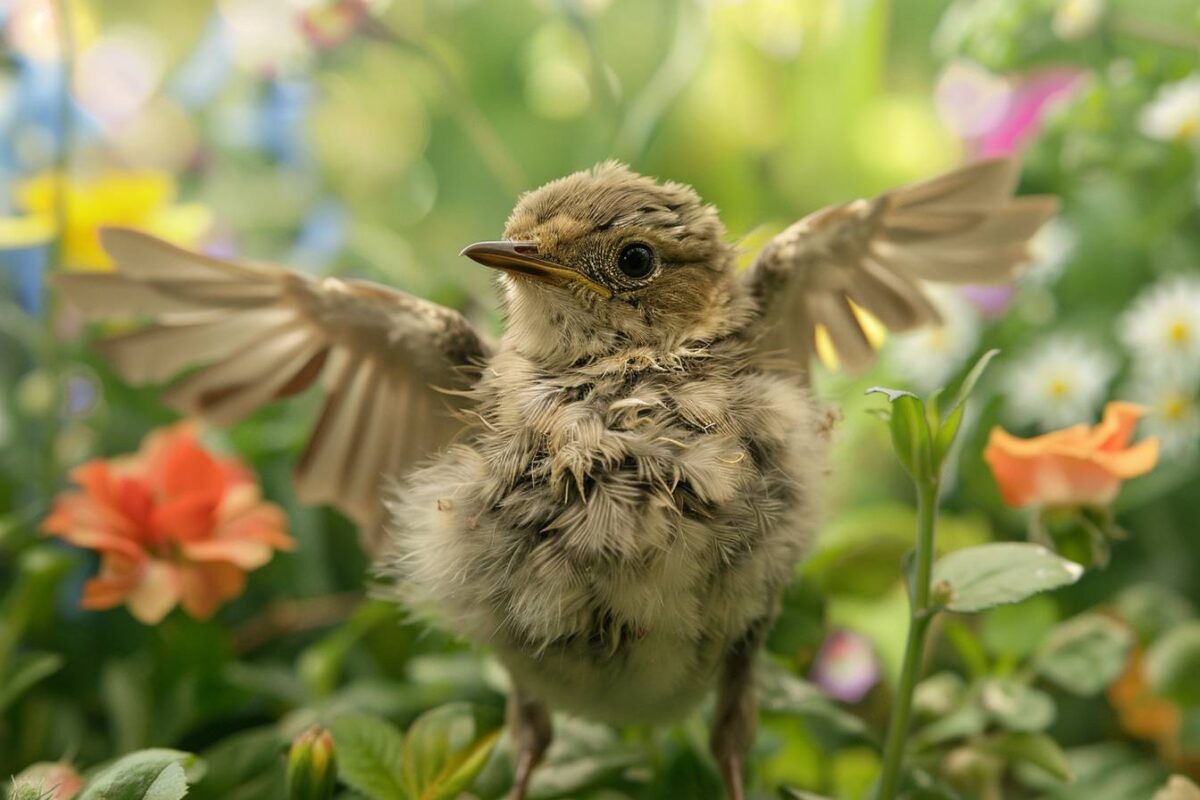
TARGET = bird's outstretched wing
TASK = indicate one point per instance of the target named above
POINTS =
(260, 332)
(962, 227)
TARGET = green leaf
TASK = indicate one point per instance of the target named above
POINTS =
(1015, 706)
(1031, 748)
(947, 432)
(1006, 572)
(445, 749)
(1016, 631)
(972, 378)
(782, 692)
(156, 774)
(26, 674)
(370, 752)
(910, 432)
(1084, 654)
(243, 759)
(1173, 664)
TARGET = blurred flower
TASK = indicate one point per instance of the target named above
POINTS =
(54, 780)
(1033, 96)
(1174, 114)
(1050, 249)
(172, 523)
(1060, 381)
(970, 99)
(1141, 713)
(265, 35)
(846, 667)
(928, 357)
(1172, 412)
(33, 27)
(144, 200)
(1074, 466)
(328, 24)
(24, 251)
(1076, 19)
(118, 74)
(1162, 327)
(312, 766)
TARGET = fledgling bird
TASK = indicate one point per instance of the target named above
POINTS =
(632, 472)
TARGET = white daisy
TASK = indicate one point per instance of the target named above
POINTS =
(1059, 382)
(929, 357)
(1075, 19)
(1174, 114)
(1172, 413)
(1049, 250)
(1162, 327)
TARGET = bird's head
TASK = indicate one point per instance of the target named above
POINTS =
(606, 258)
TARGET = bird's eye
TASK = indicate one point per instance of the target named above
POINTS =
(636, 261)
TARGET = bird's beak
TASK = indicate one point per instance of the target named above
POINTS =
(521, 258)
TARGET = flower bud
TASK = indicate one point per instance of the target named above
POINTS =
(47, 781)
(312, 766)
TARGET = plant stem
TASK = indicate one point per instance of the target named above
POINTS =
(914, 648)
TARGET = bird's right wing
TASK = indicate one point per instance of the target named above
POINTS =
(259, 332)
(961, 227)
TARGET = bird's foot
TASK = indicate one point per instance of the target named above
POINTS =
(526, 761)
(731, 775)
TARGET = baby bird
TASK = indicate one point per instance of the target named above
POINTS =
(614, 495)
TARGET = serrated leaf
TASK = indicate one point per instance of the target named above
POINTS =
(990, 575)
(27, 673)
(156, 774)
(370, 753)
(1032, 748)
(1084, 654)
(444, 750)
(1173, 664)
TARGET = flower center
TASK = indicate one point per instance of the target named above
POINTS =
(1059, 388)
(1178, 332)
(1176, 406)
(1189, 126)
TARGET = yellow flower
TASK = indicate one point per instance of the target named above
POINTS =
(136, 199)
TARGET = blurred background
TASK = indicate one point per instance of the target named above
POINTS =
(375, 138)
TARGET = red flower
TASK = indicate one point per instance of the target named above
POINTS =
(173, 524)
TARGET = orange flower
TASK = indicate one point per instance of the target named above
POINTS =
(173, 524)
(1075, 466)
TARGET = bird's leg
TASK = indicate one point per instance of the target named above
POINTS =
(529, 729)
(736, 716)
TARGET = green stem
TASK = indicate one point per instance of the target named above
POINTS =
(914, 648)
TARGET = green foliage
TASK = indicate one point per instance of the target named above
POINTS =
(154, 774)
(772, 109)
(990, 575)
(437, 759)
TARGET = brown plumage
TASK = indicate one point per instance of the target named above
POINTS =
(633, 471)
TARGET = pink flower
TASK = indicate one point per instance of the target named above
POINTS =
(1032, 96)
(173, 525)
(846, 668)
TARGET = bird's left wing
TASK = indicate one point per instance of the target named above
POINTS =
(962, 227)
(258, 332)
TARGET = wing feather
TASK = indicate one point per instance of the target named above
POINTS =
(257, 332)
(961, 227)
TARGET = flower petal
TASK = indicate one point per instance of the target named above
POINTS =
(206, 586)
(156, 593)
